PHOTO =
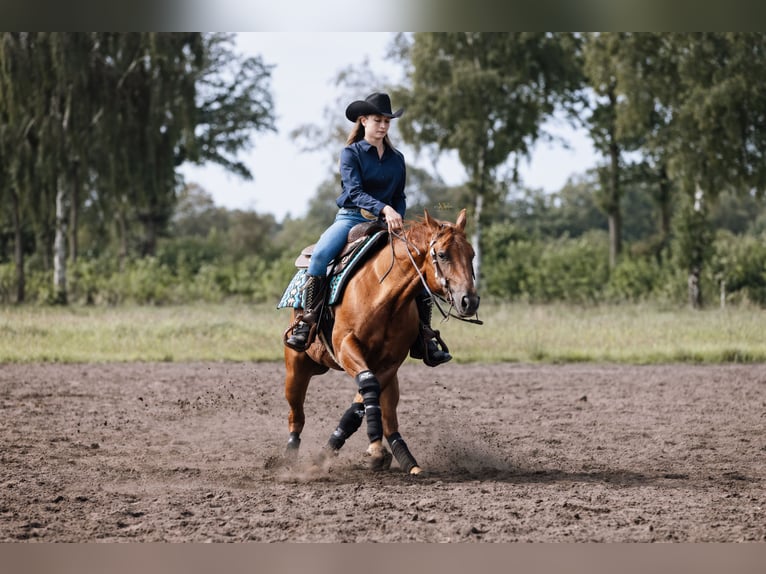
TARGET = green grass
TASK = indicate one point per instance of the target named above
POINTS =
(636, 334)
(512, 333)
(183, 333)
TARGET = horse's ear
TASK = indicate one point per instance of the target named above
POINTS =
(428, 219)
(460, 223)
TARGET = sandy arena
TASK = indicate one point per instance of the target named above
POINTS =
(541, 453)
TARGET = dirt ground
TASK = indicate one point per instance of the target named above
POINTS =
(572, 453)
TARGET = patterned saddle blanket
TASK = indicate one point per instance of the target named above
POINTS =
(339, 271)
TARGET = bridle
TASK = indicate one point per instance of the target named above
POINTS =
(438, 273)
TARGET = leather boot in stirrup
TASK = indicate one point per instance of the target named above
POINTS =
(302, 333)
(429, 346)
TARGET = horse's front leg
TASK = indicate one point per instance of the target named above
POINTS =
(389, 401)
(348, 425)
(370, 393)
(351, 355)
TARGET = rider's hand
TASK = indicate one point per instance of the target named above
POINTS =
(393, 219)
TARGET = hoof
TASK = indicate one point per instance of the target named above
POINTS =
(415, 471)
(380, 458)
(293, 443)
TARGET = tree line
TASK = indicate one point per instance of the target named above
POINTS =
(686, 103)
(93, 127)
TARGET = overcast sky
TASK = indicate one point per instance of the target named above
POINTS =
(304, 66)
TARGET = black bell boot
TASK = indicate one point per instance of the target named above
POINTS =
(303, 333)
(429, 346)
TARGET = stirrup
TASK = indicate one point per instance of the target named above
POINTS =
(434, 355)
(302, 334)
(430, 347)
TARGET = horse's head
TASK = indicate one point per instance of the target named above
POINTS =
(451, 264)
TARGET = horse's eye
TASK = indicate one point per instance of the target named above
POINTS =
(442, 255)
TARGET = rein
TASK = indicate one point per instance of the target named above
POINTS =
(444, 281)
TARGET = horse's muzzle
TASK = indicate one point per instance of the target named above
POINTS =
(467, 304)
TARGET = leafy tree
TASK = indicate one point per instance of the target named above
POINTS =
(242, 233)
(323, 206)
(577, 207)
(152, 116)
(68, 115)
(94, 125)
(251, 234)
(484, 95)
(196, 214)
(719, 124)
(16, 147)
(629, 111)
(737, 213)
(43, 101)
(569, 212)
(693, 244)
(690, 102)
(601, 62)
(424, 191)
(233, 101)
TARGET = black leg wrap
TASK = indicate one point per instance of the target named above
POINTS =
(349, 424)
(401, 452)
(369, 387)
(294, 442)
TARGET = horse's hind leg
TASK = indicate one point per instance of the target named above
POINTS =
(300, 368)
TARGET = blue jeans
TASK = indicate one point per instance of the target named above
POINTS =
(333, 240)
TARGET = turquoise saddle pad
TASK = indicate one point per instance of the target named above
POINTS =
(293, 295)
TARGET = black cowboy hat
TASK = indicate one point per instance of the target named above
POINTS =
(377, 104)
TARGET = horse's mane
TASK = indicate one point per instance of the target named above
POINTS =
(418, 231)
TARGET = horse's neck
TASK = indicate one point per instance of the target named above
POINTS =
(404, 276)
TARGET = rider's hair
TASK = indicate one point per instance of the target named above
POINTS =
(357, 133)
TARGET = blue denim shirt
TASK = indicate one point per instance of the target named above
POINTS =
(369, 182)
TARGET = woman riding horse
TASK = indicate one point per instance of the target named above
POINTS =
(375, 324)
(372, 179)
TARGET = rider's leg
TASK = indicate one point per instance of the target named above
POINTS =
(313, 291)
(427, 347)
(327, 248)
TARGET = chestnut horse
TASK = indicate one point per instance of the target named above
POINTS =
(376, 323)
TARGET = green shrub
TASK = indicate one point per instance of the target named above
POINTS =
(144, 281)
(87, 280)
(507, 254)
(570, 270)
(505, 273)
(633, 279)
(515, 266)
(187, 255)
(7, 283)
(740, 262)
